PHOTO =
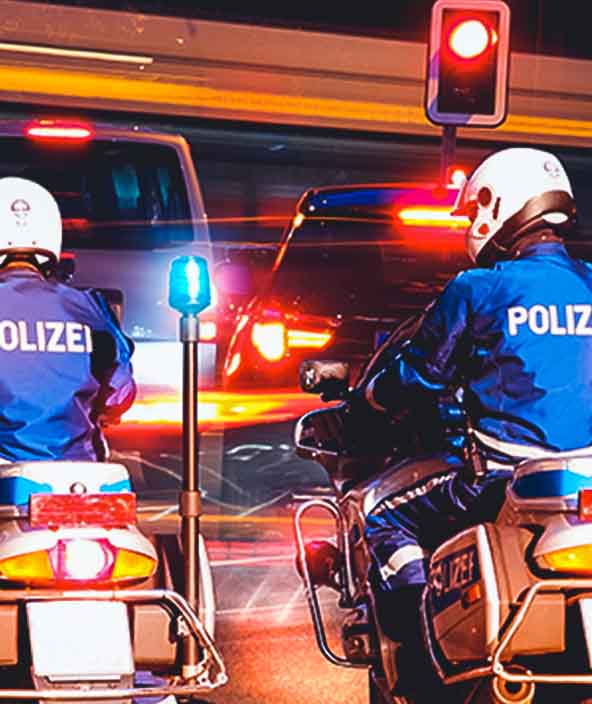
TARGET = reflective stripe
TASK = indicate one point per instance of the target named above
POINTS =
(416, 492)
(401, 558)
(531, 452)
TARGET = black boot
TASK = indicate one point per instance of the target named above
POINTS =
(400, 619)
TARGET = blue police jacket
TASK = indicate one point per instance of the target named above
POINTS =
(517, 338)
(64, 364)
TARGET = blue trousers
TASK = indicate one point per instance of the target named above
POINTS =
(404, 528)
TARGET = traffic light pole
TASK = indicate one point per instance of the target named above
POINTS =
(448, 151)
(190, 503)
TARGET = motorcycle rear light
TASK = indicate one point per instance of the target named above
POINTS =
(308, 339)
(572, 560)
(323, 562)
(585, 505)
(75, 562)
(56, 129)
(270, 340)
(84, 559)
(30, 568)
(74, 510)
(132, 565)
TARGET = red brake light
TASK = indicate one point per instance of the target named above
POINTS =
(469, 39)
(70, 510)
(55, 129)
(312, 339)
(270, 340)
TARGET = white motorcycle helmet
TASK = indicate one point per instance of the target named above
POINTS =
(509, 195)
(30, 222)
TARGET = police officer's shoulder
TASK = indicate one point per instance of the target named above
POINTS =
(470, 279)
(472, 285)
(99, 300)
(105, 311)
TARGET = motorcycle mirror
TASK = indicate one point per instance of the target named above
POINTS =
(65, 267)
(323, 376)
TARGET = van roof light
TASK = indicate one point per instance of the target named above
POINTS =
(58, 129)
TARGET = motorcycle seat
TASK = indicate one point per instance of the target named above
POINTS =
(398, 478)
(19, 480)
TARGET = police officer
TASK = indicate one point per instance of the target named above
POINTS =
(64, 361)
(513, 339)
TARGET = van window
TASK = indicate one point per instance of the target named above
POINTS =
(112, 195)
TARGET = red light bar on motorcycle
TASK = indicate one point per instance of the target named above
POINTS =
(54, 129)
(71, 510)
(585, 505)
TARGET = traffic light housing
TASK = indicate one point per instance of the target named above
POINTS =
(468, 63)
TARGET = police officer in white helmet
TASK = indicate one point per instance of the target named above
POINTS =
(512, 339)
(64, 361)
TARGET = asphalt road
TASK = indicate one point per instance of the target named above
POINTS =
(252, 480)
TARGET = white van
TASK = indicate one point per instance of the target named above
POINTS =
(130, 202)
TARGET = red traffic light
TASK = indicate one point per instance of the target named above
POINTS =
(469, 39)
(468, 61)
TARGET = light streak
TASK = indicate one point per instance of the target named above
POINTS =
(76, 53)
(39, 81)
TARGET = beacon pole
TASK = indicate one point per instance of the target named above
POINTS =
(189, 294)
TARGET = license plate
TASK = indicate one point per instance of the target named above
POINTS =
(586, 611)
(80, 640)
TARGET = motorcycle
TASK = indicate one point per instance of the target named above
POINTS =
(85, 611)
(507, 612)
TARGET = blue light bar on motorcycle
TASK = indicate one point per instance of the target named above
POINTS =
(189, 285)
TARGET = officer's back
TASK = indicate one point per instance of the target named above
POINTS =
(64, 361)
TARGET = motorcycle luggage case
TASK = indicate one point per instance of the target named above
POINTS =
(475, 580)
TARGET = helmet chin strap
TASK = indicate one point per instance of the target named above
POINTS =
(28, 258)
(529, 220)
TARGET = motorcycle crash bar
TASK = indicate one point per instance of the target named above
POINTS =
(212, 672)
(497, 668)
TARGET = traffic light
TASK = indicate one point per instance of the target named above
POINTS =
(468, 61)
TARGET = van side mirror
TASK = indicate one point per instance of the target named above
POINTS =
(323, 376)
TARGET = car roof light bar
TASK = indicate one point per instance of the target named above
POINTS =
(424, 216)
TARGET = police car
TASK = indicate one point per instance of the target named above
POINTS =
(354, 261)
(130, 202)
